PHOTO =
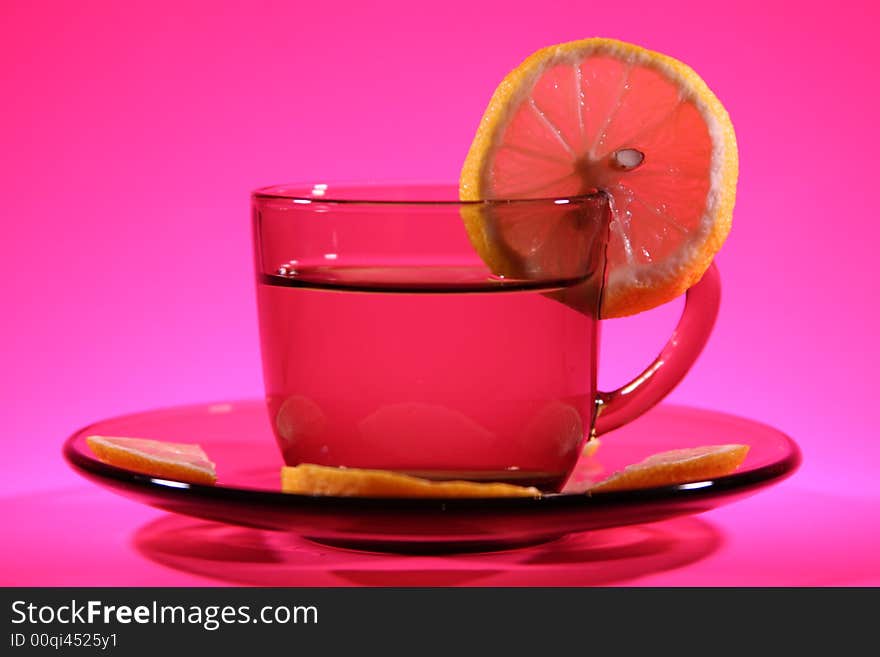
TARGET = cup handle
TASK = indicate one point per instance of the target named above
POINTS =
(618, 407)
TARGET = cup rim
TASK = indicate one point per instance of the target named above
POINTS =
(397, 194)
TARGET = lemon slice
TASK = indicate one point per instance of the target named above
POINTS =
(677, 466)
(310, 479)
(177, 461)
(602, 115)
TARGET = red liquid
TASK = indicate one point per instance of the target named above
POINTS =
(438, 372)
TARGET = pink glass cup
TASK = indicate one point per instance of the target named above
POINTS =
(387, 341)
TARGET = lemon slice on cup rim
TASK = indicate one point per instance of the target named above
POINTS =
(640, 127)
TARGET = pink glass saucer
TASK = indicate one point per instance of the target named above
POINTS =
(237, 437)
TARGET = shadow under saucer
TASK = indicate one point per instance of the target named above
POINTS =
(240, 555)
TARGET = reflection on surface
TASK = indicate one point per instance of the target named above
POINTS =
(247, 556)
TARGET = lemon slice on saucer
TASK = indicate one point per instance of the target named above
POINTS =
(176, 461)
(677, 466)
(310, 479)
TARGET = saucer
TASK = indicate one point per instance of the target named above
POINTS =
(237, 437)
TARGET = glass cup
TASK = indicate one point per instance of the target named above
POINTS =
(396, 335)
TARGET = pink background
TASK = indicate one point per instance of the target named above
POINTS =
(131, 134)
